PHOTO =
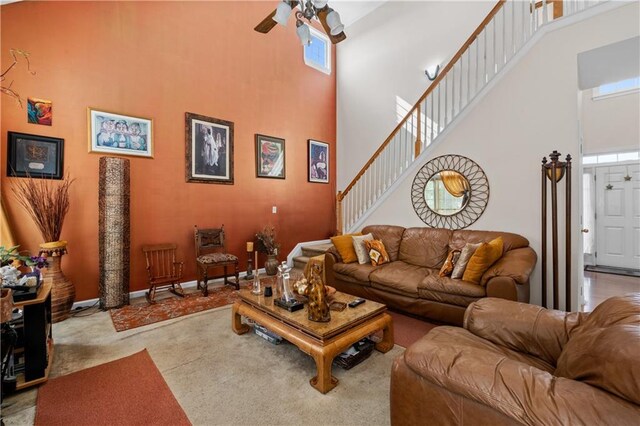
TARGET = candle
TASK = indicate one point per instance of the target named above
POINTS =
(256, 264)
(250, 246)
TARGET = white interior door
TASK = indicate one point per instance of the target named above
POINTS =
(618, 216)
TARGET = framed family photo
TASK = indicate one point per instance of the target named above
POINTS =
(209, 149)
(270, 157)
(318, 161)
(34, 156)
(119, 134)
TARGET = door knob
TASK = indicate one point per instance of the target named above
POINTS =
(584, 230)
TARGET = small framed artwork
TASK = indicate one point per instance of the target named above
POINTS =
(318, 161)
(35, 156)
(119, 134)
(270, 157)
(209, 149)
(39, 111)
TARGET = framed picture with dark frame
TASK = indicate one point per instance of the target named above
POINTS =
(113, 133)
(208, 149)
(318, 161)
(35, 156)
(270, 157)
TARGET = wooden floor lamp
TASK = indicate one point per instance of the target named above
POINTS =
(554, 171)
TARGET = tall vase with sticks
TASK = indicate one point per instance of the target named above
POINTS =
(47, 202)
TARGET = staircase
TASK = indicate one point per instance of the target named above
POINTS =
(507, 29)
(308, 251)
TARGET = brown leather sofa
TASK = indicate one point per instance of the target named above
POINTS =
(410, 282)
(515, 363)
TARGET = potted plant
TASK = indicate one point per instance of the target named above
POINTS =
(47, 202)
(267, 244)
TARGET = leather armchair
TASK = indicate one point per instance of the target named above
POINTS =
(515, 363)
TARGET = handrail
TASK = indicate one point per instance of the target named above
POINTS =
(430, 89)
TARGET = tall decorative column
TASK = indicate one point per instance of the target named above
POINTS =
(114, 221)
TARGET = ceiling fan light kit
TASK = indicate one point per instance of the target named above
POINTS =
(309, 9)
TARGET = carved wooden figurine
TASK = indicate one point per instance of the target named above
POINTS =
(317, 308)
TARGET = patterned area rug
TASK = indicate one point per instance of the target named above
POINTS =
(139, 314)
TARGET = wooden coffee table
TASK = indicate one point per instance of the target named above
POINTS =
(323, 341)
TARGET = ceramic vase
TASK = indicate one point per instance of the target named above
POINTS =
(63, 293)
(271, 265)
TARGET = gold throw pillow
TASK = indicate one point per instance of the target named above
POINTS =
(344, 245)
(486, 255)
(463, 260)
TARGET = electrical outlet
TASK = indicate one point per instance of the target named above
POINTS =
(274, 209)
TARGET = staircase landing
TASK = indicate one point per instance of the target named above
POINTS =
(309, 251)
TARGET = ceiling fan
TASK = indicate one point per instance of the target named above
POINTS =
(328, 17)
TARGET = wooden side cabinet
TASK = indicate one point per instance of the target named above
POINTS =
(33, 352)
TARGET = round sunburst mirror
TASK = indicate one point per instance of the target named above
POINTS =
(450, 192)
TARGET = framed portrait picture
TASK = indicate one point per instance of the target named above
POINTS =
(209, 149)
(35, 156)
(318, 161)
(270, 158)
(119, 134)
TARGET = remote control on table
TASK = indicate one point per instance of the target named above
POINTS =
(356, 302)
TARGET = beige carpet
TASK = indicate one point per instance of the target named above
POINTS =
(221, 378)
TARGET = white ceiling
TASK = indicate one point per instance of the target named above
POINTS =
(352, 10)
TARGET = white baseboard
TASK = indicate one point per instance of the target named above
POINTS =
(139, 293)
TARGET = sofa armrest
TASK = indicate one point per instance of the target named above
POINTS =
(330, 259)
(522, 327)
(518, 390)
(516, 264)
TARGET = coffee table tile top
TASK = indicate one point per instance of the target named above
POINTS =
(340, 321)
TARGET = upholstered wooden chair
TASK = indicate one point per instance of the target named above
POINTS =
(210, 254)
(163, 270)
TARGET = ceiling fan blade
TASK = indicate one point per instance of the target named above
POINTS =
(268, 23)
(322, 16)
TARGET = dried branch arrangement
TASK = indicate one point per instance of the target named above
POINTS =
(7, 90)
(46, 201)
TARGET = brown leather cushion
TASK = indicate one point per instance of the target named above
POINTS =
(604, 350)
(511, 241)
(354, 270)
(426, 247)
(447, 285)
(399, 277)
(450, 299)
(390, 236)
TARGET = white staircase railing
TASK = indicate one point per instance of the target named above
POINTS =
(505, 30)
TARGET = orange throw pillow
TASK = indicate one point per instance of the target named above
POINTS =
(377, 252)
(344, 245)
(486, 255)
(451, 261)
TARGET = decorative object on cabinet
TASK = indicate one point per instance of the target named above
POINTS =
(210, 253)
(114, 235)
(270, 157)
(318, 161)
(34, 156)
(553, 171)
(119, 134)
(249, 274)
(450, 191)
(162, 269)
(209, 149)
(39, 111)
(47, 203)
(268, 245)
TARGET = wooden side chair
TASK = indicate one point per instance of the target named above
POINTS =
(163, 270)
(210, 253)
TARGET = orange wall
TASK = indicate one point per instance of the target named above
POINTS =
(161, 60)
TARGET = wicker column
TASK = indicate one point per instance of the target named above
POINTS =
(113, 199)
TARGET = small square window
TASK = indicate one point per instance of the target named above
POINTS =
(607, 158)
(317, 54)
(618, 88)
(628, 156)
(590, 159)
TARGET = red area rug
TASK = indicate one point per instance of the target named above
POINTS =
(406, 330)
(137, 315)
(128, 391)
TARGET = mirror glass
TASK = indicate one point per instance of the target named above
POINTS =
(447, 192)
